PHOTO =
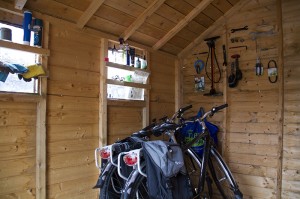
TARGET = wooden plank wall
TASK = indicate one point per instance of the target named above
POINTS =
(252, 123)
(122, 121)
(17, 149)
(17, 143)
(162, 80)
(72, 113)
(291, 139)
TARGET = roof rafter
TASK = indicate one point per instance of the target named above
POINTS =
(199, 8)
(89, 12)
(141, 19)
(213, 27)
(19, 4)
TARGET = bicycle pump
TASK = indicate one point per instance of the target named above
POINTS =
(211, 45)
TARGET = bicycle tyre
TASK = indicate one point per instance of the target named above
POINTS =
(112, 185)
(137, 183)
(193, 159)
(222, 177)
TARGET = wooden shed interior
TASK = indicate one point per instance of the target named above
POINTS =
(47, 140)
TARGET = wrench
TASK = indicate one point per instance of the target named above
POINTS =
(239, 29)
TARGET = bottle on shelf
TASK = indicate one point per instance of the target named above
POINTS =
(137, 62)
(132, 55)
(144, 63)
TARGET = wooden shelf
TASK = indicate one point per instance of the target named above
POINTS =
(125, 67)
(26, 48)
(126, 103)
(130, 84)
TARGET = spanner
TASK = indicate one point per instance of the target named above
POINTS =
(239, 29)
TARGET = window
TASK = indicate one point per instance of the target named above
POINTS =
(11, 56)
(124, 81)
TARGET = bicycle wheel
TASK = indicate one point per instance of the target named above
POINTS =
(222, 176)
(136, 186)
(113, 183)
(193, 165)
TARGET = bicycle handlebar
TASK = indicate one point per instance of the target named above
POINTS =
(182, 110)
(216, 109)
(213, 111)
(158, 129)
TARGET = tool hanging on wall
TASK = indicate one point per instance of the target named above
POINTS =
(224, 56)
(232, 47)
(272, 71)
(213, 59)
(201, 53)
(199, 65)
(236, 73)
(259, 70)
(239, 29)
(237, 39)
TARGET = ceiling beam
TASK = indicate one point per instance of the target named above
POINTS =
(8, 7)
(199, 8)
(141, 19)
(89, 12)
(19, 4)
(217, 24)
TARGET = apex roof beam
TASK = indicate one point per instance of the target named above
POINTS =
(199, 8)
(89, 12)
(19, 4)
(221, 21)
(141, 19)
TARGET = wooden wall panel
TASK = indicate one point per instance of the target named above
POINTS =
(72, 113)
(162, 81)
(17, 149)
(122, 121)
(291, 139)
(252, 125)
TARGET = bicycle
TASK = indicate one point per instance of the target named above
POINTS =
(136, 185)
(109, 182)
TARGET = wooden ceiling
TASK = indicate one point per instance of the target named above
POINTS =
(166, 25)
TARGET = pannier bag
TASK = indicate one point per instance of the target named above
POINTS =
(167, 175)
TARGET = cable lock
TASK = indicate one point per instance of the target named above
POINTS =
(272, 71)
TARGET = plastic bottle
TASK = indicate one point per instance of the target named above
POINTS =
(27, 27)
(144, 63)
(38, 32)
(138, 63)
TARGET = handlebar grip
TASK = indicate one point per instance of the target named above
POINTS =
(216, 109)
(181, 110)
(163, 118)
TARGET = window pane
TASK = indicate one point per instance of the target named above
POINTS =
(13, 83)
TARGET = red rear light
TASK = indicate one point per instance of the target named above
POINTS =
(130, 159)
(105, 153)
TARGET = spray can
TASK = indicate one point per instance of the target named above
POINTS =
(27, 27)
(38, 32)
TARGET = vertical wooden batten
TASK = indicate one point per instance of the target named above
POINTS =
(178, 84)
(281, 98)
(41, 125)
(102, 94)
(146, 109)
(225, 96)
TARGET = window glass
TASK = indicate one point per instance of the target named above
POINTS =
(13, 83)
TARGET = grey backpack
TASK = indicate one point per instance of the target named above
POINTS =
(167, 177)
